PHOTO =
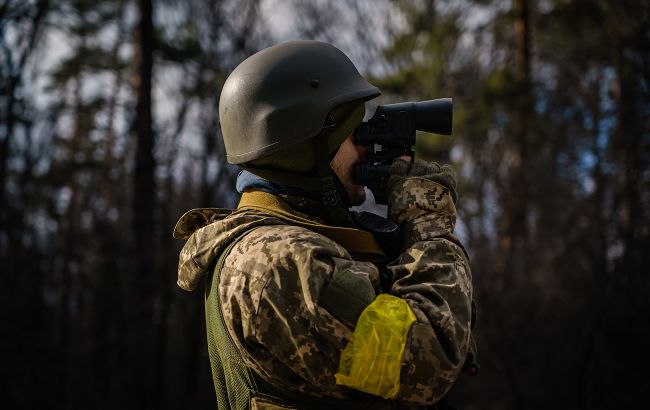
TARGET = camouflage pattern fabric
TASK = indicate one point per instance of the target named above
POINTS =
(433, 275)
(208, 233)
(197, 218)
(273, 280)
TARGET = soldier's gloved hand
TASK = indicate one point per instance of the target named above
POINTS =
(420, 188)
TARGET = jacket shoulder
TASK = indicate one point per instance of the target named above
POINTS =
(198, 218)
(271, 246)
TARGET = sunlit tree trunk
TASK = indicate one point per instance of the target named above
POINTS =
(516, 198)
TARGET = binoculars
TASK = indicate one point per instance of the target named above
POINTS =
(391, 133)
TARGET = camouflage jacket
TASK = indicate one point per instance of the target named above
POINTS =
(271, 287)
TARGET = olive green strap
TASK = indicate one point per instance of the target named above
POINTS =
(360, 244)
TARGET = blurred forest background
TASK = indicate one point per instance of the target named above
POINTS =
(109, 132)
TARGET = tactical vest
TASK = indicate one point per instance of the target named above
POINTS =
(239, 387)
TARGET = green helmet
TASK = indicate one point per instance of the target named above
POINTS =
(282, 96)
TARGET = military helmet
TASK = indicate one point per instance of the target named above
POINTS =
(282, 95)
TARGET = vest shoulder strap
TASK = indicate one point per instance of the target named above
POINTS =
(360, 244)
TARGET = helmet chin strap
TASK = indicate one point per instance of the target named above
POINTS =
(343, 193)
(329, 193)
(334, 204)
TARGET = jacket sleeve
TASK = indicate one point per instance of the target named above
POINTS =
(433, 276)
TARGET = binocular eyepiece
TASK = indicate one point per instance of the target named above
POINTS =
(391, 133)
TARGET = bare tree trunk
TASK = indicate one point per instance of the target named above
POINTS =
(71, 238)
(144, 392)
(111, 356)
(630, 143)
(13, 82)
(521, 117)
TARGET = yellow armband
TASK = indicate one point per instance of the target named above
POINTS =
(372, 360)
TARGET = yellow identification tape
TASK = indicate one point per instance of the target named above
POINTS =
(372, 360)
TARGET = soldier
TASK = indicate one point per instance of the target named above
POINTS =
(302, 308)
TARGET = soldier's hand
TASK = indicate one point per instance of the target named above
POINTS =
(419, 188)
